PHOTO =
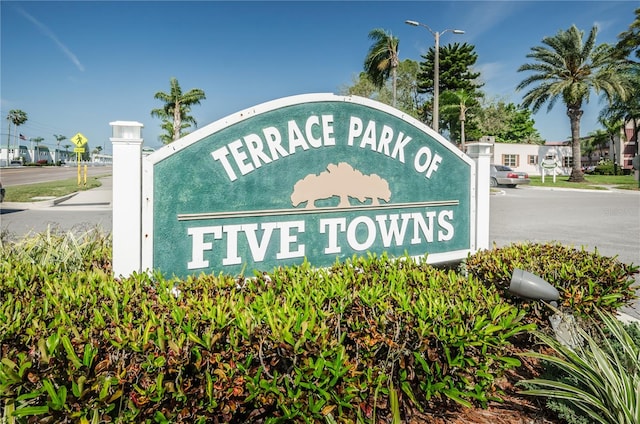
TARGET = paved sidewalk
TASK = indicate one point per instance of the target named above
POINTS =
(96, 198)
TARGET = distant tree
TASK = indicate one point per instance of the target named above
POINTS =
(362, 86)
(506, 122)
(382, 60)
(491, 119)
(86, 154)
(629, 40)
(588, 147)
(66, 150)
(455, 65)
(177, 106)
(521, 127)
(568, 69)
(59, 138)
(627, 110)
(457, 103)
(612, 127)
(37, 140)
(407, 98)
(16, 117)
(596, 140)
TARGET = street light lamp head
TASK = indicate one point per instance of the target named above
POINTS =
(458, 31)
(412, 23)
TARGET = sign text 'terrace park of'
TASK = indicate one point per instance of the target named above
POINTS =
(316, 176)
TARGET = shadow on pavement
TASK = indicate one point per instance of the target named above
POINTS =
(4, 210)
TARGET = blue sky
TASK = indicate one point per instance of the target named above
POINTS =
(76, 66)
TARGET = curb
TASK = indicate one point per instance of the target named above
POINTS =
(582, 190)
(37, 205)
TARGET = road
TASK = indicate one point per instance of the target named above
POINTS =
(18, 175)
(606, 220)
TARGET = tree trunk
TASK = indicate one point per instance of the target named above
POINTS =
(463, 117)
(636, 129)
(8, 141)
(394, 83)
(177, 123)
(575, 113)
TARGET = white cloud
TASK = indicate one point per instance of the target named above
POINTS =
(46, 31)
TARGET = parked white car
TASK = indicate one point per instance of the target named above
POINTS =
(503, 175)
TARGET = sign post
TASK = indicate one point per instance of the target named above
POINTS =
(127, 182)
(79, 140)
(549, 164)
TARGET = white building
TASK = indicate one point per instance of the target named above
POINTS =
(529, 157)
(24, 155)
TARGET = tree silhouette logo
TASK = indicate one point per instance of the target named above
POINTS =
(342, 181)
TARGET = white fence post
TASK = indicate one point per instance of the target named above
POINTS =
(126, 141)
(481, 155)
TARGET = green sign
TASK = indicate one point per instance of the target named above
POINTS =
(317, 177)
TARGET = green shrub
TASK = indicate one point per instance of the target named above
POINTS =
(365, 340)
(606, 167)
(371, 338)
(59, 251)
(585, 281)
(564, 408)
(598, 380)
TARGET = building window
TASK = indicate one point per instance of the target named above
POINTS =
(567, 161)
(532, 160)
(510, 160)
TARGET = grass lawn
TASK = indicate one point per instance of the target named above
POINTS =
(31, 192)
(594, 182)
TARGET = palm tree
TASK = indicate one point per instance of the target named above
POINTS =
(626, 110)
(16, 117)
(569, 69)
(177, 106)
(382, 59)
(458, 102)
(629, 40)
(66, 151)
(612, 128)
(37, 140)
(599, 140)
(167, 125)
(58, 138)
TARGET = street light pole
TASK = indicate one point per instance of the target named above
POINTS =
(436, 70)
(436, 84)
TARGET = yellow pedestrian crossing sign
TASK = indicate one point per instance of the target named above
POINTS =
(79, 140)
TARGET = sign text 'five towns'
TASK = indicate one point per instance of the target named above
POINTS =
(317, 177)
